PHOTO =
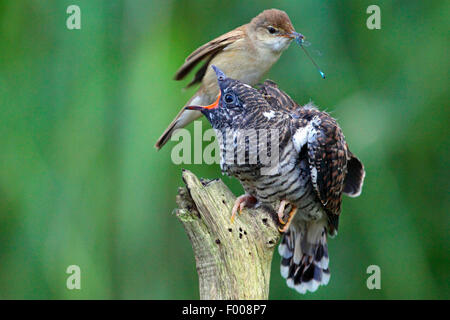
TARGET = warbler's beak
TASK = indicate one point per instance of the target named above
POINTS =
(203, 108)
(295, 35)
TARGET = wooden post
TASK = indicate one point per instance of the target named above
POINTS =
(233, 259)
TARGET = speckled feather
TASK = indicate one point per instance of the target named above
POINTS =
(277, 98)
(327, 155)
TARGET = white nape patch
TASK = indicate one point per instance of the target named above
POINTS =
(284, 251)
(269, 115)
(301, 137)
(284, 270)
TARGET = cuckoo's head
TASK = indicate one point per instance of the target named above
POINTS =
(236, 104)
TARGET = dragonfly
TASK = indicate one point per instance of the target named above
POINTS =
(303, 43)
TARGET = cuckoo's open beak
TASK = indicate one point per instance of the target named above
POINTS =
(214, 105)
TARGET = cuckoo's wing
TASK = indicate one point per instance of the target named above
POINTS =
(276, 97)
(326, 151)
(207, 52)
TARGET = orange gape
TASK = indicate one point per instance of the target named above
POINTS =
(215, 104)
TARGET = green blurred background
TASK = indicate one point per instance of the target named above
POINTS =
(80, 110)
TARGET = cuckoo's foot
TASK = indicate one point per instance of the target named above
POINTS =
(281, 214)
(281, 211)
(246, 200)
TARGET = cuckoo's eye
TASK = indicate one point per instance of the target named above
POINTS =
(271, 30)
(229, 98)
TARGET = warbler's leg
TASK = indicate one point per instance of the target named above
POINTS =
(288, 222)
(246, 200)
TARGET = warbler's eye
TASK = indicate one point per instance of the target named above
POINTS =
(271, 30)
(229, 98)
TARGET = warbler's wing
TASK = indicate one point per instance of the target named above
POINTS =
(207, 52)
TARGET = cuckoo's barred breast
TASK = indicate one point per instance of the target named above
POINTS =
(290, 179)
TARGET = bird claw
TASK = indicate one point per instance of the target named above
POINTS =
(281, 211)
(291, 215)
(241, 202)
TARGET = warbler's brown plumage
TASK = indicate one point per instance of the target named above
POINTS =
(207, 52)
(245, 53)
(274, 18)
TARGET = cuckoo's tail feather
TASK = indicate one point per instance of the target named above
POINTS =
(304, 254)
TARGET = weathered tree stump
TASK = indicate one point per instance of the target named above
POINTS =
(233, 259)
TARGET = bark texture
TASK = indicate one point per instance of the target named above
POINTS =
(233, 259)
